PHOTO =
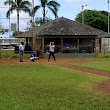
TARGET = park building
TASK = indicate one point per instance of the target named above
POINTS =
(80, 38)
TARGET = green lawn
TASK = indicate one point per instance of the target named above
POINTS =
(44, 87)
(11, 54)
(97, 63)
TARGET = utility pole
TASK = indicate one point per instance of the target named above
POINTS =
(83, 13)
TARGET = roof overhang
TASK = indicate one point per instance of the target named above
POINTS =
(68, 36)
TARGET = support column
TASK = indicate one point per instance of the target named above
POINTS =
(104, 46)
(43, 47)
(33, 38)
(78, 44)
(61, 45)
(97, 46)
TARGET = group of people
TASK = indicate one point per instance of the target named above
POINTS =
(35, 56)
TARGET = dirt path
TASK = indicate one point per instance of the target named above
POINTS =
(67, 63)
(103, 87)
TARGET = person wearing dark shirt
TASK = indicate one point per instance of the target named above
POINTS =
(33, 57)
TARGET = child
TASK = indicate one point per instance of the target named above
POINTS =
(33, 57)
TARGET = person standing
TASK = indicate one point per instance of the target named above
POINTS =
(51, 50)
(21, 51)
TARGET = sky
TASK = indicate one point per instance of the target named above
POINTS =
(69, 9)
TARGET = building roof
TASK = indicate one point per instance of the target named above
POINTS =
(63, 26)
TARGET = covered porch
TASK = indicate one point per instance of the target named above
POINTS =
(71, 44)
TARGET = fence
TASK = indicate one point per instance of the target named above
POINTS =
(7, 54)
(10, 53)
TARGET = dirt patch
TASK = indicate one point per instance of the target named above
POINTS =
(92, 70)
(103, 87)
(60, 61)
(66, 62)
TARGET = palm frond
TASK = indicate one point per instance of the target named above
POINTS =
(9, 2)
(10, 11)
(53, 11)
(53, 4)
(43, 2)
(26, 3)
(36, 8)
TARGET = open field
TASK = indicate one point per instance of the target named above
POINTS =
(97, 63)
(43, 85)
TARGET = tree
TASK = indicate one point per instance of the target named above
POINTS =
(38, 22)
(16, 33)
(17, 5)
(50, 4)
(104, 12)
(3, 31)
(94, 18)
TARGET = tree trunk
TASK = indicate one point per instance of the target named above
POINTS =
(18, 21)
(44, 15)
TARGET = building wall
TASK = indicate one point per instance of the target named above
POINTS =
(105, 44)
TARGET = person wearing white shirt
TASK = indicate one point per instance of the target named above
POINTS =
(21, 51)
(51, 50)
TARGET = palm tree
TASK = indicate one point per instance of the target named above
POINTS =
(17, 5)
(50, 4)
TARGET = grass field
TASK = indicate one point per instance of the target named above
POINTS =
(97, 63)
(45, 87)
(11, 54)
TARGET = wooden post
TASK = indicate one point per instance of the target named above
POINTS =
(61, 45)
(104, 46)
(78, 44)
(43, 47)
(33, 38)
(96, 46)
